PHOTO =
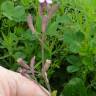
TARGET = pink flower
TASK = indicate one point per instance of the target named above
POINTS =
(47, 1)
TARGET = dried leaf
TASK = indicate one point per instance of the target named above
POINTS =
(52, 10)
(47, 65)
(44, 23)
(32, 64)
(30, 23)
(22, 63)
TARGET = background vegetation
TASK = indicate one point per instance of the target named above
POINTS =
(70, 44)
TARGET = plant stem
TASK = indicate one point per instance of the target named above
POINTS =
(43, 62)
(42, 48)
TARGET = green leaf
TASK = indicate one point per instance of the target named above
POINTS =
(19, 13)
(79, 36)
(88, 61)
(70, 40)
(64, 19)
(13, 13)
(39, 24)
(74, 47)
(26, 2)
(72, 59)
(8, 9)
(19, 55)
(75, 87)
(68, 37)
(51, 29)
(10, 42)
(72, 68)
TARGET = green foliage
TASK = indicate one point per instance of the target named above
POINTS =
(70, 42)
(72, 68)
(16, 13)
(75, 87)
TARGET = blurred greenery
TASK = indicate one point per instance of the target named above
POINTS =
(70, 43)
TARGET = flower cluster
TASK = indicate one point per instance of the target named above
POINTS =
(47, 1)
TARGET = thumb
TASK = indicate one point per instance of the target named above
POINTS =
(30, 88)
(14, 84)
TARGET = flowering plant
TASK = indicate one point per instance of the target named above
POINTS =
(25, 69)
(47, 1)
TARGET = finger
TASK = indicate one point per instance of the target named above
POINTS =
(16, 85)
(27, 87)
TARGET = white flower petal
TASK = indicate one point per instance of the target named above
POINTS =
(49, 1)
(41, 1)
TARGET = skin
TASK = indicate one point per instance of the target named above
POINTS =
(14, 84)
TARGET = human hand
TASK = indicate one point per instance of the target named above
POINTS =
(14, 84)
